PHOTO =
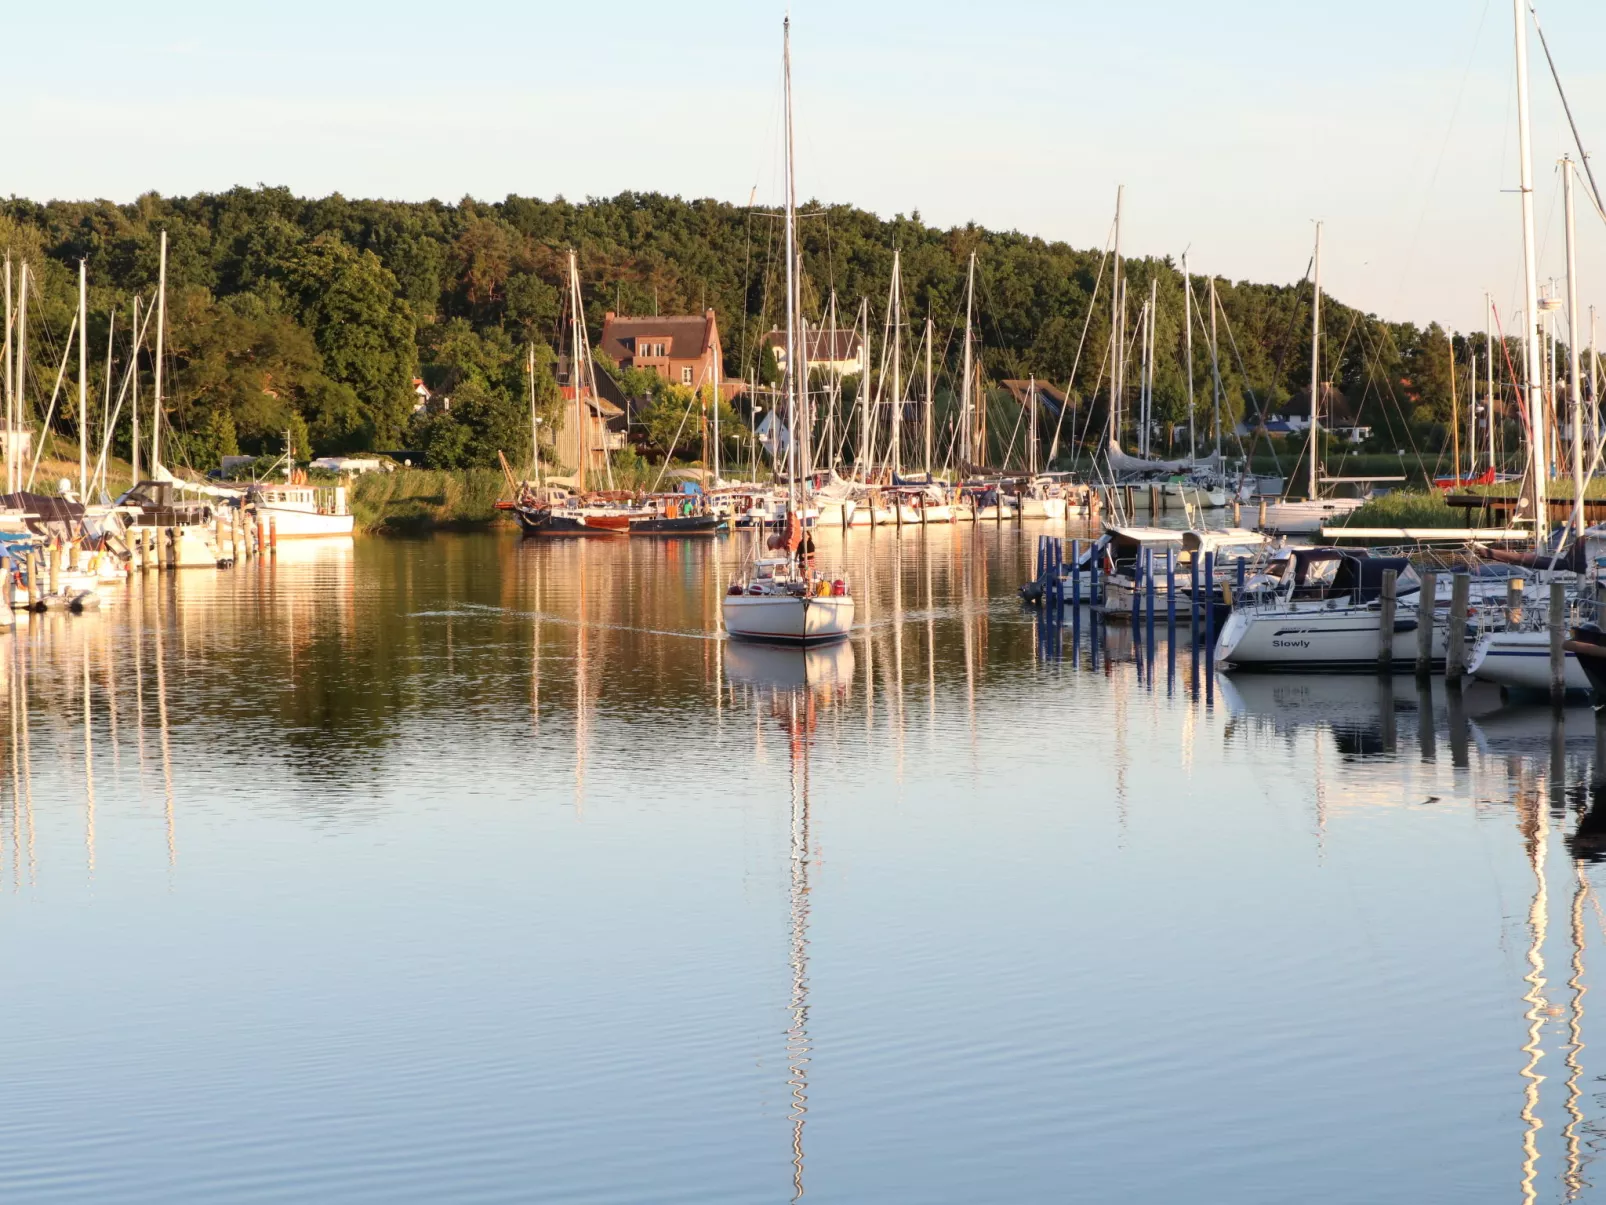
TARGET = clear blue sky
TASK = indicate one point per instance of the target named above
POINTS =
(1232, 126)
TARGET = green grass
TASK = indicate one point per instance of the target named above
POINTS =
(425, 499)
(1409, 508)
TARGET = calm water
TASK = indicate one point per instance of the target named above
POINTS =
(474, 870)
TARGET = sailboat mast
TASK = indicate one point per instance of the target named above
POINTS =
(967, 443)
(791, 279)
(1575, 392)
(930, 409)
(1215, 370)
(535, 441)
(1530, 314)
(83, 380)
(19, 393)
(1117, 330)
(577, 376)
(1315, 364)
(897, 363)
(718, 368)
(1148, 404)
(1187, 327)
(161, 333)
(133, 413)
(1488, 356)
(9, 382)
(864, 387)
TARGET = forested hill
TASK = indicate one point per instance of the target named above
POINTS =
(283, 310)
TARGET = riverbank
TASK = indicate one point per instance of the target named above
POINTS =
(418, 500)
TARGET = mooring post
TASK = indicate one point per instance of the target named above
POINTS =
(35, 594)
(1262, 514)
(1385, 622)
(1513, 601)
(55, 566)
(1426, 613)
(1171, 595)
(1137, 591)
(1208, 588)
(1237, 513)
(1076, 572)
(1455, 636)
(1238, 587)
(1558, 636)
(1193, 597)
(1148, 574)
(1041, 576)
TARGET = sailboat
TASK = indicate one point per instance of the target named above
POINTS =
(781, 598)
(1310, 515)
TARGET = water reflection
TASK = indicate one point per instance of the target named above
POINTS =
(794, 688)
(294, 705)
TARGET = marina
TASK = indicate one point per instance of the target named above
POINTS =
(852, 636)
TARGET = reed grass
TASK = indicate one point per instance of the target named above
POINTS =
(412, 500)
(1409, 508)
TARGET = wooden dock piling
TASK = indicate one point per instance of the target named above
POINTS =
(1425, 613)
(1558, 637)
(1455, 640)
(1385, 622)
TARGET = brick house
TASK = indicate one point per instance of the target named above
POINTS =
(682, 348)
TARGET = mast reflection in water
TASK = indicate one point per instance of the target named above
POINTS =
(462, 869)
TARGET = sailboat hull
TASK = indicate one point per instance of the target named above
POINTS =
(786, 618)
(1340, 640)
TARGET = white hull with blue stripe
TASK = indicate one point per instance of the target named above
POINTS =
(1520, 660)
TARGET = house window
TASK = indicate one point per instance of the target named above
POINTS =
(685, 376)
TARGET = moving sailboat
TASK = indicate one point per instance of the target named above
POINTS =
(781, 598)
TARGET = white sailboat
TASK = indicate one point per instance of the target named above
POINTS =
(782, 598)
(1310, 515)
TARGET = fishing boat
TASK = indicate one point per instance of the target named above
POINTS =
(781, 598)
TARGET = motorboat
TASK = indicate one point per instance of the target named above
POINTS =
(299, 512)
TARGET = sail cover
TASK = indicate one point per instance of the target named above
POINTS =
(1123, 465)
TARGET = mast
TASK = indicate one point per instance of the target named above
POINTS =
(19, 394)
(718, 356)
(83, 380)
(134, 413)
(9, 383)
(1488, 355)
(1455, 417)
(1187, 327)
(1535, 398)
(864, 388)
(1594, 392)
(895, 321)
(1215, 369)
(161, 331)
(1031, 426)
(930, 408)
(1117, 329)
(535, 440)
(577, 376)
(967, 445)
(1148, 404)
(1575, 392)
(1315, 364)
(791, 280)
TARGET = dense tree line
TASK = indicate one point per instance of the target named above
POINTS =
(314, 316)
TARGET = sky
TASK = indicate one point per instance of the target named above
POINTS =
(1233, 127)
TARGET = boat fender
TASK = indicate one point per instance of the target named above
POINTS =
(736, 588)
(1405, 625)
(839, 588)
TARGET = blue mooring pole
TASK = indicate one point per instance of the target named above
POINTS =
(1076, 599)
(1193, 598)
(1148, 575)
(1239, 587)
(1170, 594)
(1093, 595)
(1210, 627)
(1137, 591)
